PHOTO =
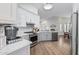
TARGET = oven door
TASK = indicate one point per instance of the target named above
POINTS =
(33, 39)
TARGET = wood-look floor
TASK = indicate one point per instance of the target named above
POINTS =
(60, 47)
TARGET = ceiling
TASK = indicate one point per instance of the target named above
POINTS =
(59, 9)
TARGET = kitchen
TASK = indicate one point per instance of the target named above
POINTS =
(35, 28)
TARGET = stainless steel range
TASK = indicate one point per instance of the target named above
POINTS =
(33, 38)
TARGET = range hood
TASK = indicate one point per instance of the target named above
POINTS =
(30, 25)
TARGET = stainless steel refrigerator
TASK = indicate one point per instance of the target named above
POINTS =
(74, 33)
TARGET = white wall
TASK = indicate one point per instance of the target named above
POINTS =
(63, 21)
(56, 21)
(49, 22)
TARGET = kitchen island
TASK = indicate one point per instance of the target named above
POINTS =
(18, 48)
(47, 35)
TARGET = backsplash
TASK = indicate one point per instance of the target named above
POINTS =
(23, 29)
(20, 31)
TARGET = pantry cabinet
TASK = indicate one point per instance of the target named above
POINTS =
(7, 13)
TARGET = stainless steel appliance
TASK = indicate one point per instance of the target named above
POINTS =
(10, 33)
(33, 38)
(74, 34)
(54, 36)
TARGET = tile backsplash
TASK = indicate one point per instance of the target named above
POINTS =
(22, 30)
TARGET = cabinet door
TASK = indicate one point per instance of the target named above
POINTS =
(36, 20)
(23, 21)
(7, 12)
(44, 36)
(40, 38)
(21, 51)
(21, 17)
(38, 34)
(49, 36)
(32, 18)
(28, 17)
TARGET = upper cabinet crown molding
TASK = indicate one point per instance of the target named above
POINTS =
(29, 8)
(25, 17)
(7, 13)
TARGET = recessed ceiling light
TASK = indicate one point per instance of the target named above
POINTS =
(48, 6)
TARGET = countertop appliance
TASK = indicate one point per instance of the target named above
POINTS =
(10, 33)
(33, 38)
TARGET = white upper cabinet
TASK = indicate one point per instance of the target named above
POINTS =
(37, 20)
(21, 17)
(7, 13)
(24, 17)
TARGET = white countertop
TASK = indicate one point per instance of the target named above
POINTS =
(47, 31)
(15, 46)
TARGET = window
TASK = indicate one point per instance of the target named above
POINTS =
(60, 27)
